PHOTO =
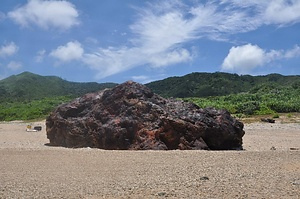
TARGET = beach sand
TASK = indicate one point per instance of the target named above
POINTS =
(268, 167)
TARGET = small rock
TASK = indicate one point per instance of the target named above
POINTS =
(161, 193)
(204, 178)
(294, 149)
(267, 120)
(297, 182)
(273, 148)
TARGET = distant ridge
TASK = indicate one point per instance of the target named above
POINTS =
(30, 86)
(29, 96)
(220, 84)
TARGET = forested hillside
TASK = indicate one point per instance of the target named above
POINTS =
(29, 86)
(220, 84)
(241, 95)
(29, 96)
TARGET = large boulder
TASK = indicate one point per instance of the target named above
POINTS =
(131, 116)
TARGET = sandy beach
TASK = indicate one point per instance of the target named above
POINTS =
(268, 167)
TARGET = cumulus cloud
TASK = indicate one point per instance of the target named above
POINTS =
(8, 50)
(70, 51)
(245, 58)
(161, 31)
(13, 65)
(46, 14)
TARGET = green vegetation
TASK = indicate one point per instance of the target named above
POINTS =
(28, 110)
(29, 86)
(220, 84)
(261, 102)
(29, 96)
(239, 94)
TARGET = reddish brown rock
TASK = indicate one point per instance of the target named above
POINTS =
(131, 116)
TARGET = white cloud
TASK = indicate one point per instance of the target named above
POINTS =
(244, 59)
(283, 12)
(40, 56)
(163, 29)
(295, 52)
(71, 51)
(279, 12)
(158, 42)
(114, 60)
(46, 14)
(13, 65)
(169, 58)
(8, 50)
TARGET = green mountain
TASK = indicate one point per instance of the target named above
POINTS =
(220, 84)
(239, 94)
(29, 96)
(29, 86)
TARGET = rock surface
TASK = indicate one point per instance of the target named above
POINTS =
(131, 116)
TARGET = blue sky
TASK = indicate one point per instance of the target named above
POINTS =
(120, 40)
